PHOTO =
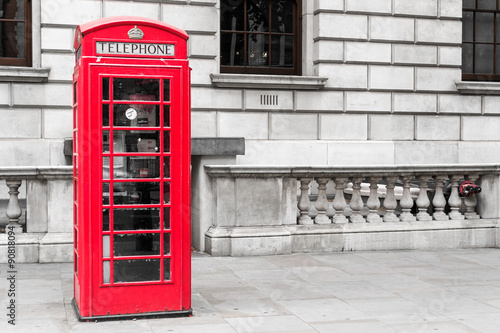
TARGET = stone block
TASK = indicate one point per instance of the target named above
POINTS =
(56, 247)
(438, 79)
(328, 50)
(216, 99)
(70, 12)
(191, 18)
(61, 65)
(47, 94)
(344, 76)
(294, 126)
(416, 8)
(57, 156)
(484, 151)
(450, 56)
(203, 124)
(36, 206)
(201, 70)
(415, 102)
(330, 5)
(372, 6)
(261, 246)
(319, 101)
(21, 124)
(225, 202)
(203, 45)
(249, 125)
(391, 78)
(437, 128)
(316, 243)
(450, 9)
(344, 127)
(454, 239)
(424, 152)
(269, 100)
(367, 52)
(15, 152)
(439, 31)
(488, 200)
(342, 26)
(119, 8)
(278, 152)
(26, 248)
(491, 105)
(57, 39)
(392, 28)
(459, 104)
(481, 128)
(57, 123)
(415, 54)
(391, 127)
(217, 146)
(4, 94)
(368, 101)
(360, 153)
(60, 206)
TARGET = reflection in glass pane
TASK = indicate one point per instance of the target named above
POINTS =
(469, 3)
(139, 89)
(137, 167)
(136, 270)
(484, 59)
(485, 27)
(105, 88)
(167, 274)
(232, 49)
(13, 34)
(258, 49)
(258, 15)
(166, 192)
(105, 220)
(282, 51)
(106, 272)
(468, 27)
(136, 115)
(105, 193)
(166, 244)
(136, 245)
(166, 116)
(136, 219)
(105, 115)
(166, 90)
(232, 15)
(467, 58)
(143, 193)
(105, 141)
(166, 141)
(487, 4)
(166, 218)
(282, 16)
(136, 141)
(166, 167)
(105, 246)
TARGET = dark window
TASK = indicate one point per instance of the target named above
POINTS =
(260, 36)
(15, 31)
(481, 40)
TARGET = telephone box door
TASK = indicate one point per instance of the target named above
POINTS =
(139, 228)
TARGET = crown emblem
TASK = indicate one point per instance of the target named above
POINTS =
(135, 33)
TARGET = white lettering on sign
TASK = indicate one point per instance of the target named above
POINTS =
(135, 48)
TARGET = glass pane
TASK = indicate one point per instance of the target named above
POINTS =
(105, 246)
(484, 59)
(485, 27)
(166, 116)
(136, 167)
(487, 4)
(258, 48)
(468, 27)
(12, 42)
(136, 141)
(166, 218)
(166, 192)
(497, 18)
(139, 89)
(166, 269)
(105, 167)
(166, 167)
(136, 270)
(13, 10)
(75, 238)
(467, 58)
(143, 193)
(232, 51)
(74, 93)
(105, 272)
(469, 3)
(497, 60)
(166, 90)
(232, 15)
(105, 141)
(136, 219)
(166, 141)
(136, 115)
(105, 88)
(282, 51)
(166, 244)
(136, 245)
(282, 16)
(105, 193)
(105, 220)
(258, 15)
(105, 115)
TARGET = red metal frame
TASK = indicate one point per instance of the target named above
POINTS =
(94, 297)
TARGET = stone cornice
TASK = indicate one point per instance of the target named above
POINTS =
(268, 81)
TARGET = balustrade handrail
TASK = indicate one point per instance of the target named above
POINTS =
(35, 172)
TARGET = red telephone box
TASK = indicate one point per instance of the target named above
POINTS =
(131, 170)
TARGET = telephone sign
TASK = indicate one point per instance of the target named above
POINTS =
(131, 170)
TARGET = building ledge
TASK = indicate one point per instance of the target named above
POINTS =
(218, 146)
(478, 88)
(23, 74)
(268, 81)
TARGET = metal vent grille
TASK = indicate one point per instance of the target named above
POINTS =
(269, 100)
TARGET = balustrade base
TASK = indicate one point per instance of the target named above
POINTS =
(39, 247)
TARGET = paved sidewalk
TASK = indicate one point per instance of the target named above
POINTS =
(398, 291)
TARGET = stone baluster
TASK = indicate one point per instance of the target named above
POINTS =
(322, 202)
(423, 201)
(406, 202)
(304, 204)
(339, 202)
(373, 202)
(14, 211)
(471, 202)
(454, 201)
(439, 202)
(390, 202)
(356, 202)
